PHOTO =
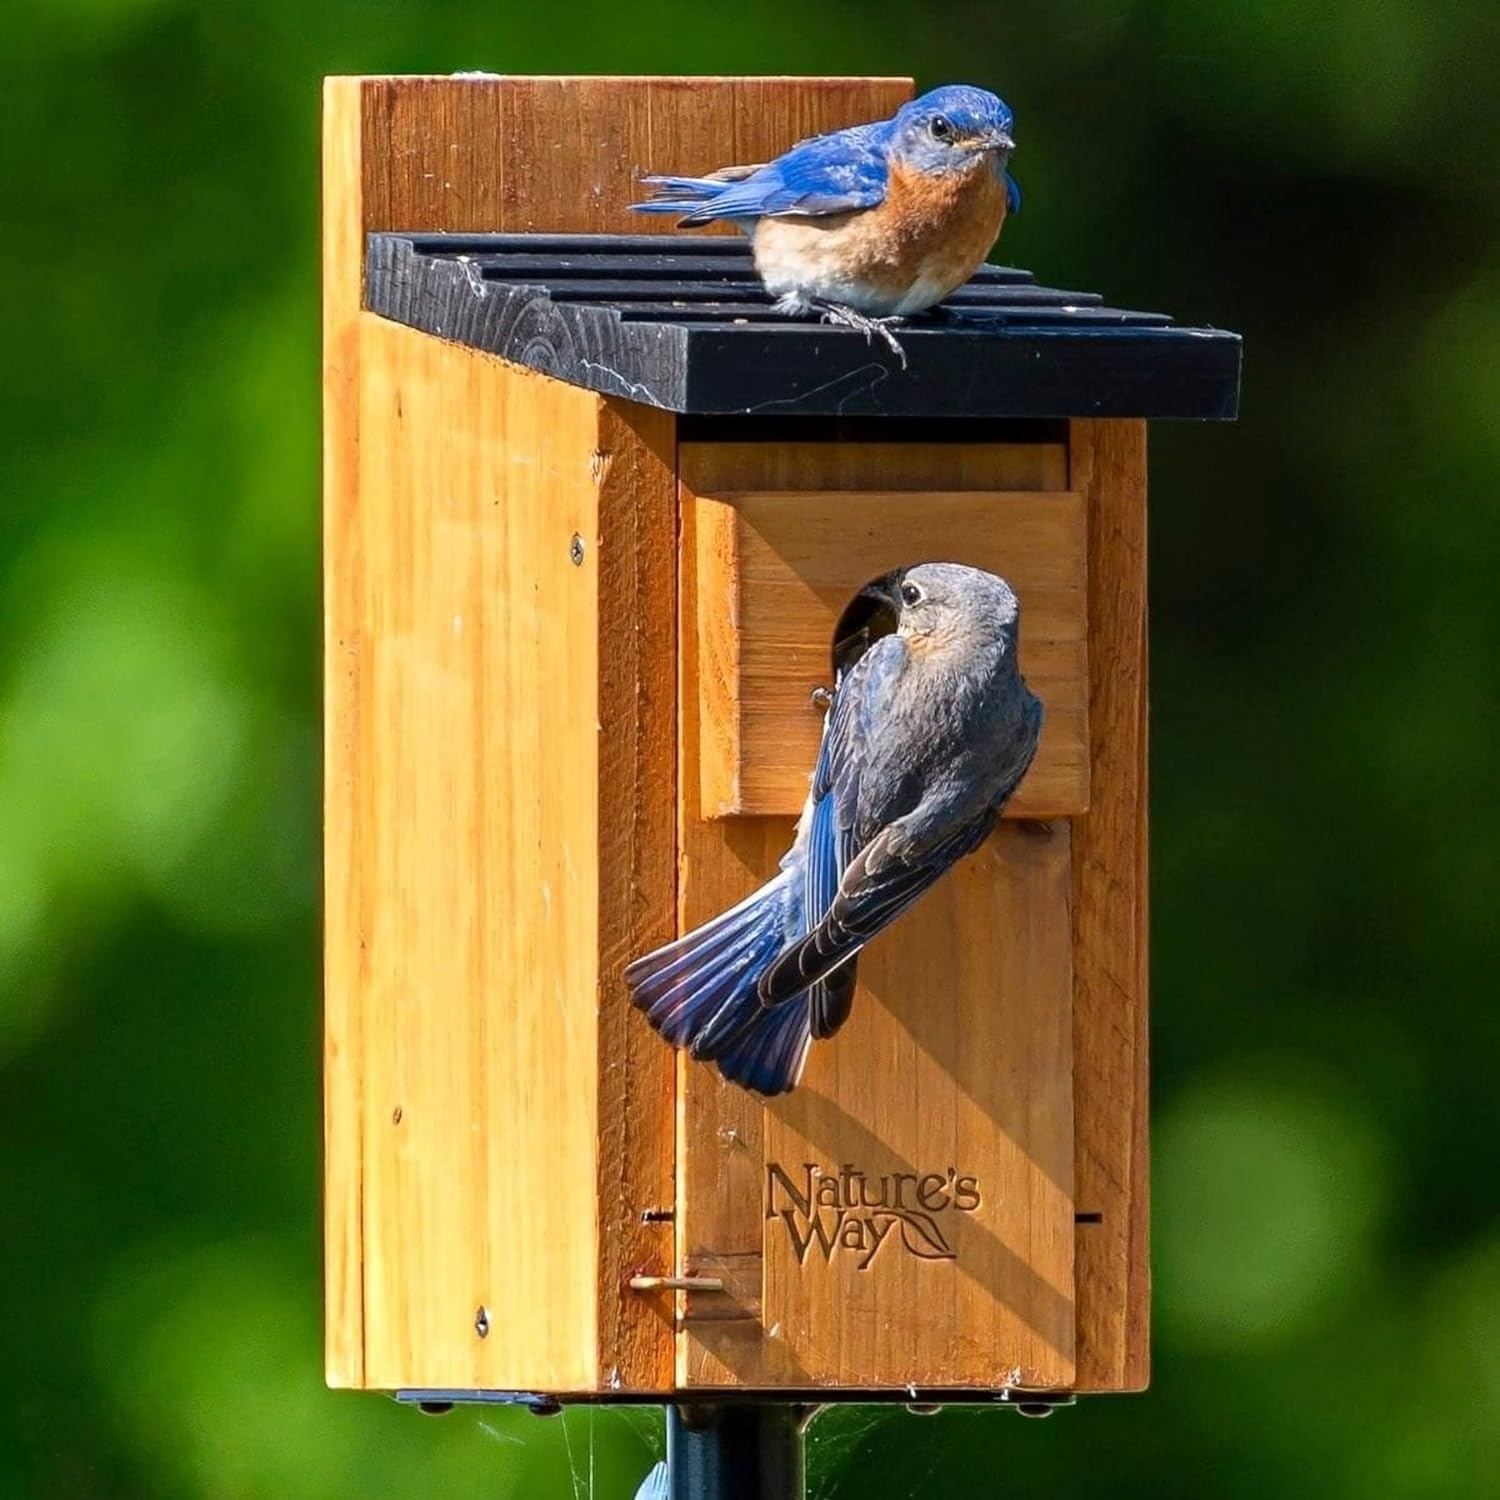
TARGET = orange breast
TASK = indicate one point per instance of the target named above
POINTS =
(926, 238)
(938, 229)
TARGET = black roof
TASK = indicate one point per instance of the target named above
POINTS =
(682, 322)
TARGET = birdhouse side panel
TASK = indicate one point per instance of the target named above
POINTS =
(509, 853)
(1107, 464)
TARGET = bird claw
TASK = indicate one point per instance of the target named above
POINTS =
(822, 697)
(872, 328)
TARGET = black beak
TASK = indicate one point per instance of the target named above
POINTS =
(885, 590)
(1003, 141)
(873, 612)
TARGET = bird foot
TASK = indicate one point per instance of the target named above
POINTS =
(872, 328)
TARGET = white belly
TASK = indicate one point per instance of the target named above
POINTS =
(801, 263)
(926, 291)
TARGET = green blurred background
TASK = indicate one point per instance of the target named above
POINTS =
(1326, 782)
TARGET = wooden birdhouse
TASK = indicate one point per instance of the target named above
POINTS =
(592, 511)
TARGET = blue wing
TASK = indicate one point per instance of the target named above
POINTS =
(830, 999)
(829, 174)
(831, 841)
(855, 714)
(1012, 195)
(875, 889)
(700, 992)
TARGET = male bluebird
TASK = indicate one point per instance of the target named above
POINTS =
(872, 223)
(928, 732)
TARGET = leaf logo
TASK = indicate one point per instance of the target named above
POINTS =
(921, 1236)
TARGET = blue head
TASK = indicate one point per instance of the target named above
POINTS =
(951, 128)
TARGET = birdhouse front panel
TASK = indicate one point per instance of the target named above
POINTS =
(905, 1216)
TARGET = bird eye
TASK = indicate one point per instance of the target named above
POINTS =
(941, 128)
(911, 594)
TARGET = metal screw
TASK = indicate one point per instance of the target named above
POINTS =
(482, 1322)
(575, 550)
(396, 1115)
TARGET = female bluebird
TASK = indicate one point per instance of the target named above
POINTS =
(928, 733)
(873, 223)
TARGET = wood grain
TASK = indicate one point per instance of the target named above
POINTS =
(345, 782)
(774, 573)
(511, 858)
(496, 1119)
(972, 1075)
(1108, 464)
(566, 154)
(633, 465)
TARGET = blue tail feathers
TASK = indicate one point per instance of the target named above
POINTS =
(769, 1053)
(700, 992)
(664, 189)
(686, 196)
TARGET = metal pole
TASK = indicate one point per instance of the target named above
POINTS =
(724, 1452)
